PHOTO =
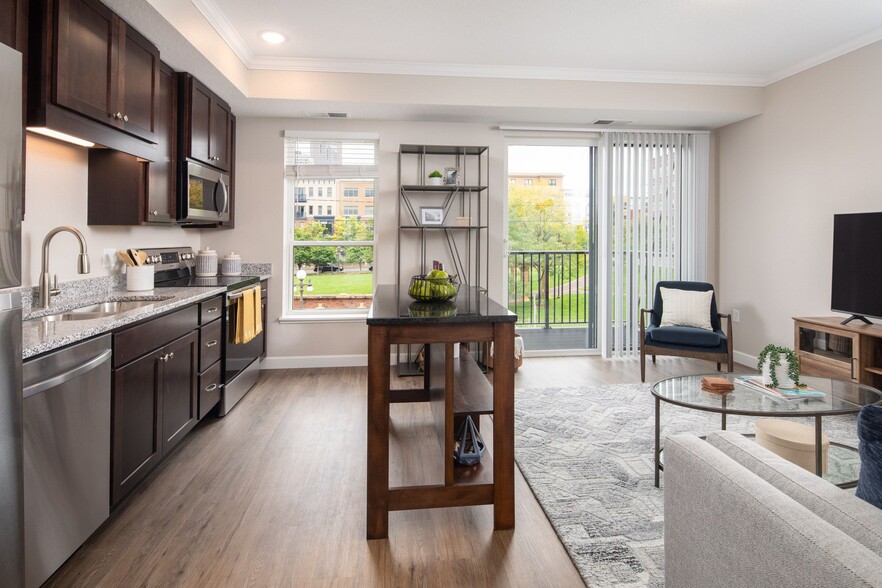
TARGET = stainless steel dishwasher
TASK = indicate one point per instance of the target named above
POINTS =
(66, 453)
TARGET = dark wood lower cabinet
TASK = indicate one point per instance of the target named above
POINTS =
(136, 443)
(179, 392)
(154, 407)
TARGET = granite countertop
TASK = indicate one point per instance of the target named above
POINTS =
(42, 336)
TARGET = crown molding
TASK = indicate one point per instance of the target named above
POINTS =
(488, 71)
(218, 20)
(220, 23)
(853, 45)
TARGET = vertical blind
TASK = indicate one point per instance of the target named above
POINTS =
(656, 188)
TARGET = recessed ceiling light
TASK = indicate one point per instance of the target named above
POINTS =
(272, 37)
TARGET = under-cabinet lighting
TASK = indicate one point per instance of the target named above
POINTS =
(272, 37)
(61, 136)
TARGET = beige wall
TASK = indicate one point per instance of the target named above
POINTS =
(814, 151)
(56, 184)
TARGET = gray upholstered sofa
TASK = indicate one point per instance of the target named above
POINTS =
(738, 515)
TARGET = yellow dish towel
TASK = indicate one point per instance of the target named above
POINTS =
(245, 317)
(258, 316)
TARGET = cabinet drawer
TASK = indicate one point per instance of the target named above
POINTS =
(209, 344)
(210, 310)
(822, 367)
(209, 389)
(135, 341)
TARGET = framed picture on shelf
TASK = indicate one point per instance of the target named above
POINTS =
(431, 215)
(451, 176)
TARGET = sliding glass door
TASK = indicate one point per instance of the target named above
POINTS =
(552, 255)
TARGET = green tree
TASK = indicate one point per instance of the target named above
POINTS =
(352, 229)
(311, 254)
(539, 220)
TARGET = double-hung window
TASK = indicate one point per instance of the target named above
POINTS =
(329, 257)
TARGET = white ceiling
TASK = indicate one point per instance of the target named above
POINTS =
(692, 55)
(731, 42)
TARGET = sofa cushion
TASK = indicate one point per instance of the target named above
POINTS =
(686, 308)
(869, 486)
(841, 509)
(726, 527)
(685, 336)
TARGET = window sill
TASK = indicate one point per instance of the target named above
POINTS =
(324, 318)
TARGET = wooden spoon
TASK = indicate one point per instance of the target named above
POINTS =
(123, 257)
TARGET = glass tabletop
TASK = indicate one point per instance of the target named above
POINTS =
(840, 397)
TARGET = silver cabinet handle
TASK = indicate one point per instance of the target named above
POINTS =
(126, 118)
(63, 377)
(118, 116)
(214, 309)
(155, 213)
(211, 387)
(171, 355)
(211, 343)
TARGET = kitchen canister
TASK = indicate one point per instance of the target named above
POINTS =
(206, 263)
(231, 264)
(139, 278)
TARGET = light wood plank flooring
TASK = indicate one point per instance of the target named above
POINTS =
(274, 495)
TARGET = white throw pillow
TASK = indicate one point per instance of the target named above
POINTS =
(686, 308)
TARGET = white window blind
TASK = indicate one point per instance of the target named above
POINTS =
(656, 188)
(309, 156)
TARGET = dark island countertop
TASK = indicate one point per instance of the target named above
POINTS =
(392, 306)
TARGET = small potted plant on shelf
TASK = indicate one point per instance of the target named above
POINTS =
(774, 373)
(436, 179)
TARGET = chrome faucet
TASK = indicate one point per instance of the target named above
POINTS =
(47, 291)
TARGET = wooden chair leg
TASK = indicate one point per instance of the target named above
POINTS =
(718, 366)
(642, 364)
(653, 359)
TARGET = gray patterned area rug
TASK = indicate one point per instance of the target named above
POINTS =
(587, 455)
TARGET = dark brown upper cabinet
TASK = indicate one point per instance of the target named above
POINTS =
(206, 124)
(14, 24)
(126, 190)
(91, 75)
(106, 70)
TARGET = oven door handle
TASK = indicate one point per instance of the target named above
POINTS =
(233, 296)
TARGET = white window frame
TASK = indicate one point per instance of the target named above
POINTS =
(339, 315)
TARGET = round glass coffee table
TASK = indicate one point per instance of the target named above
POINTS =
(840, 397)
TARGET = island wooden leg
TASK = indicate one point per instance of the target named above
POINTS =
(378, 433)
(503, 426)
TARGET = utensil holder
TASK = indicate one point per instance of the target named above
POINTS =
(139, 278)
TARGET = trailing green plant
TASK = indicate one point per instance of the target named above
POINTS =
(774, 353)
(435, 174)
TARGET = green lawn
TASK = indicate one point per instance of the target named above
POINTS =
(339, 283)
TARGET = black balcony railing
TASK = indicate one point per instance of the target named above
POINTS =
(552, 288)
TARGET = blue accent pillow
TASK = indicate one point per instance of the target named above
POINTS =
(869, 428)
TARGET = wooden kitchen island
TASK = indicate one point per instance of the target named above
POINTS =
(455, 387)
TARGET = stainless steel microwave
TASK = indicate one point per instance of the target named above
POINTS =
(203, 194)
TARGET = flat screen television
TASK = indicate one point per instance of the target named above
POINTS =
(857, 265)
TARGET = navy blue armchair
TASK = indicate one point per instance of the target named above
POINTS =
(693, 342)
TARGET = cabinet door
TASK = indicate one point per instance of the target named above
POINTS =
(138, 84)
(200, 123)
(87, 59)
(161, 188)
(219, 136)
(179, 394)
(136, 444)
(14, 24)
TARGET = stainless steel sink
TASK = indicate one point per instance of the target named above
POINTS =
(100, 309)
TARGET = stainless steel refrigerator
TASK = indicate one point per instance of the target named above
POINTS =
(11, 165)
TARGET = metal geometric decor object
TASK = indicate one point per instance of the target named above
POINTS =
(469, 447)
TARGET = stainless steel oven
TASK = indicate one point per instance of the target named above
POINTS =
(203, 194)
(241, 368)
